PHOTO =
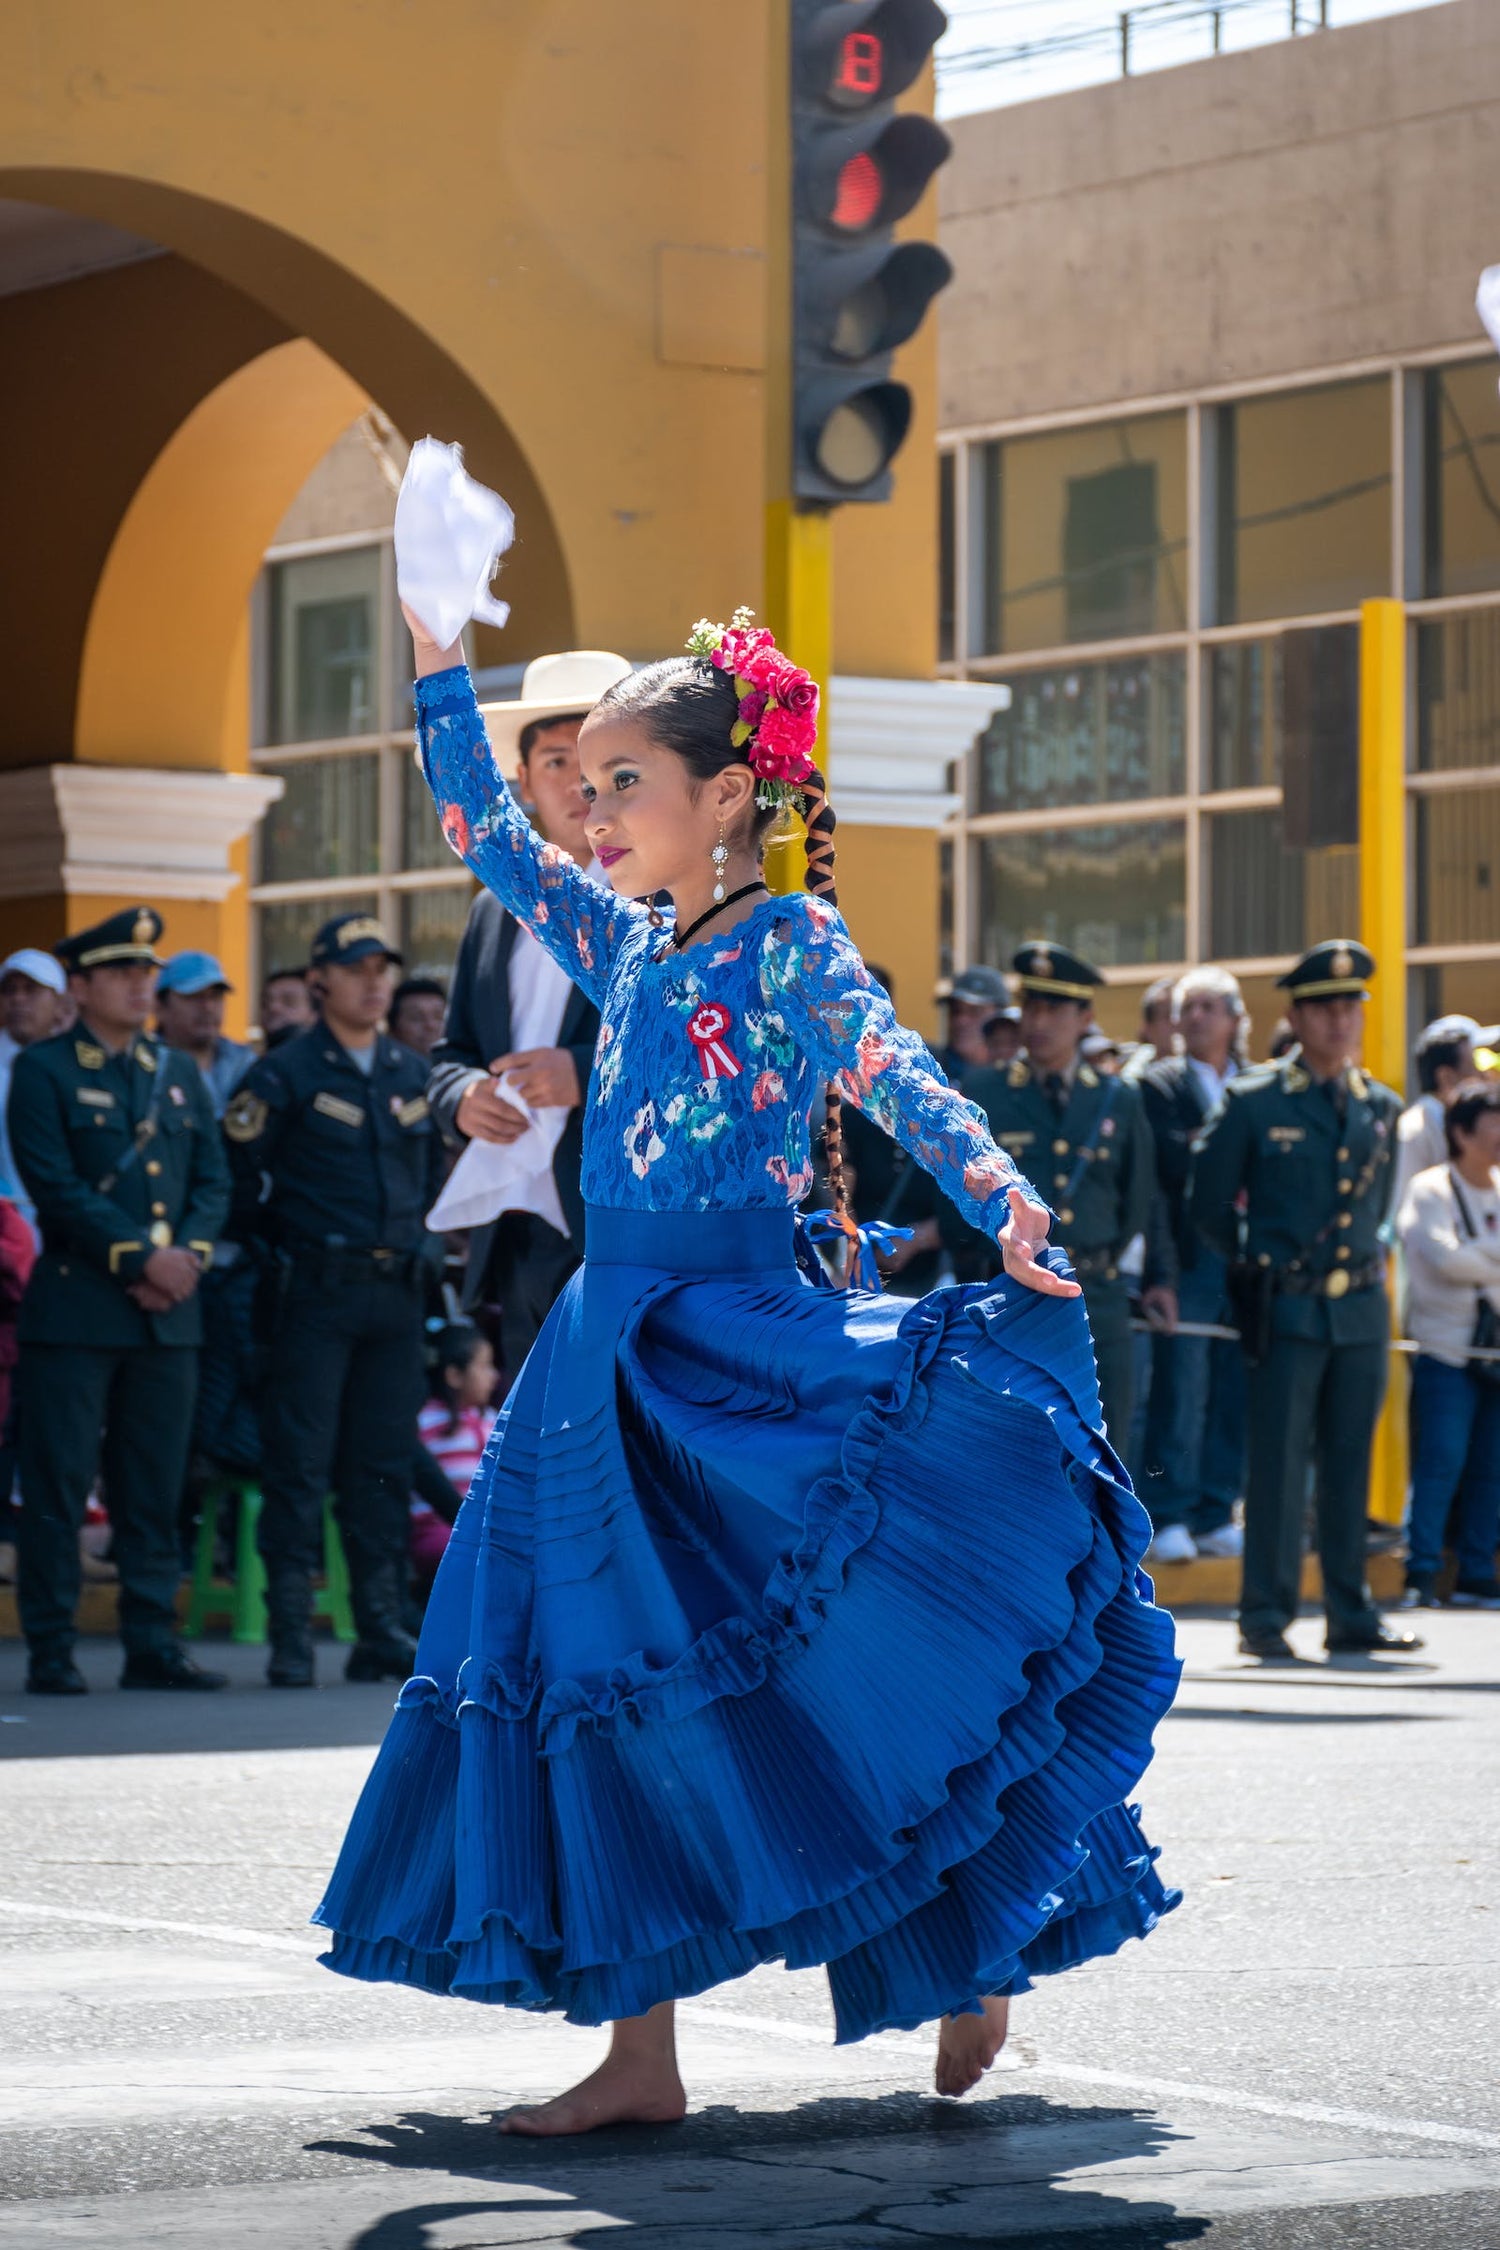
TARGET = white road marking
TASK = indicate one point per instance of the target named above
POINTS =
(891, 2043)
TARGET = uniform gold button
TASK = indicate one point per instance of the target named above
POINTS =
(158, 1210)
(1059, 1148)
(1346, 1218)
(1061, 1180)
(152, 1166)
(1065, 1218)
(1343, 1156)
(1265, 1258)
(1346, 1187)
(1342, 1250)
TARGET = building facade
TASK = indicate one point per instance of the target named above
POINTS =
(1211, 379)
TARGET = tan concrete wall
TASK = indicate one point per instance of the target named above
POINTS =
(1316, 202)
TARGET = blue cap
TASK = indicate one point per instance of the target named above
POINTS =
(192, 972)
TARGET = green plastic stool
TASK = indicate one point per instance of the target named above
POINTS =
(246, 1605)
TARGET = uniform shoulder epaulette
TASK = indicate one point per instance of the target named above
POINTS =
(1018, 1074)
(1253, 1079)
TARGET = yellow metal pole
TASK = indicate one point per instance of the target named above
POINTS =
(797, 602)
(1382, 920)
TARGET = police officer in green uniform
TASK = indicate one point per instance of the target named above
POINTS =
(1292, 1181)
(116, 1141)
(336, 1162)
(1083, 1140)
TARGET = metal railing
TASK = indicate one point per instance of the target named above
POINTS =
(1121, 35)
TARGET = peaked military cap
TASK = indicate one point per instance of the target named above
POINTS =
(348, 938)
(1334, 970)
(1055, 973)
(128, 936)
(978, 986)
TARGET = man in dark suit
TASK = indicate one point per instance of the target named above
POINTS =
(513, 1011)
(1196, 1446)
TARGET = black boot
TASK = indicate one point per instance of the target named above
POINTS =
(384, 1650)
(289, 1620)
(53, 1672)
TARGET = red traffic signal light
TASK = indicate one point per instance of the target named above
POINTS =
(858, 52)
(857, 293)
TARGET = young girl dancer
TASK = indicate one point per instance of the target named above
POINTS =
(780, 1622)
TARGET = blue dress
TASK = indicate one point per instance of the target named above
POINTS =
(780, 1622)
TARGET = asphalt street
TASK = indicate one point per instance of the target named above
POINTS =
(1303, 2055)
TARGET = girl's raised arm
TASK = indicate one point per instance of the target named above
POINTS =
(582, 924)
(813, 976)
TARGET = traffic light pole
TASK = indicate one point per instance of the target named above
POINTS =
(797, 596)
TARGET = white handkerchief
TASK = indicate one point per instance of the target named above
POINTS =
(490, 1178)
(1487, 302)
(450, 533)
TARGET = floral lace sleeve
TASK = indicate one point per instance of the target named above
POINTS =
(811, 974)
(582, 925)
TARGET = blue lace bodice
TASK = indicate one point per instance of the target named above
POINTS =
(710, 1060)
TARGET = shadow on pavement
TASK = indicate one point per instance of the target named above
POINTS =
(247, 1715)
(838, 2173)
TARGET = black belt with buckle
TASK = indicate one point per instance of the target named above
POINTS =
(1094, 1265)
(335, 1265)
(1336, 1283)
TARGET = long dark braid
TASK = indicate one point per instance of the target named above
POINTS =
(820, 821)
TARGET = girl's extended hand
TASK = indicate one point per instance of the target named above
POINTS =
(1020, 1239)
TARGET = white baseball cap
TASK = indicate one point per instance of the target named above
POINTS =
(1447, 1031)
(42, 968)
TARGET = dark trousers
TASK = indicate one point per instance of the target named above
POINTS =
(1199, 1451)
(342, 1394)
(131, 1411)
(1107, 1304)
(1455, 1454)
(530, 1264)
(1319, 1402)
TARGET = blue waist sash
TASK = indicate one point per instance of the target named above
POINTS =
(691, 1241)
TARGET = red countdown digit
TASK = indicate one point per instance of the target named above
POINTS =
(861, 65)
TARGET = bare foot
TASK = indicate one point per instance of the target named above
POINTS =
(622, 2091)
(967, 2045)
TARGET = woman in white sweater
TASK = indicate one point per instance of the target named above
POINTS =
(1449, 1224)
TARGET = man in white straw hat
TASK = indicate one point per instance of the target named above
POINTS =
(513, 1013)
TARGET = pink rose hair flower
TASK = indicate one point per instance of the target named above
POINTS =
(777, 725)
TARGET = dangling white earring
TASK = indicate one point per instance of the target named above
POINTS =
(720, 856)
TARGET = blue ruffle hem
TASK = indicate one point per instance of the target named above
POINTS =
(780, 1623)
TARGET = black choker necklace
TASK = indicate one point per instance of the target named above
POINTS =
(680, 938)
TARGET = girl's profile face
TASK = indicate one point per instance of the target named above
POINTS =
(648, 824)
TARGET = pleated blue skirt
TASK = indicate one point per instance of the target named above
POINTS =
(779, 1624)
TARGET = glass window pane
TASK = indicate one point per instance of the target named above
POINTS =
(1461, 432)
(1304, 501)
(432, 922)
(423, 843)
(287, 930)
(1458, 692)
(1456, 988)
(1083, 534)
(1115, 893)
(1287, 710)
(947, 560)
(326, 823)
(1244, 715)
(324, 646)
(1265, 896)
(1458, 868)
(1087, 734)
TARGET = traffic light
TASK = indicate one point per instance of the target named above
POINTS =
(858, 167)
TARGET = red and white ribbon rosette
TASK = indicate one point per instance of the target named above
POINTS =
(707, 1026)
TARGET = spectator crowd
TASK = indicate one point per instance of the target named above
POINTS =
(218, 1287)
